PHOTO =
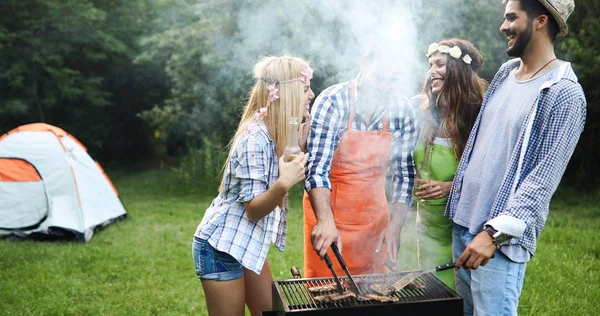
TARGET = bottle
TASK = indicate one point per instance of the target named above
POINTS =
(424, 172)
(292, 149)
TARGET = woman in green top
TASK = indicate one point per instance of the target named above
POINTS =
(450, 100)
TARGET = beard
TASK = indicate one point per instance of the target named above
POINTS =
(521, 42)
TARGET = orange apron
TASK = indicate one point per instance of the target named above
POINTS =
(358, 201)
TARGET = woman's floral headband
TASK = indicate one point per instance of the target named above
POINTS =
(305, 77)
(454, 52)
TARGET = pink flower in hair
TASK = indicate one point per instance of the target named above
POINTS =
(273, 95)
(307, 74)
(261, 113)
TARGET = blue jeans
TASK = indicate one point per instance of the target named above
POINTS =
(492, 289)
(212, 264)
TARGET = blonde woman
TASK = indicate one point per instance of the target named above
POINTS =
(231, 243)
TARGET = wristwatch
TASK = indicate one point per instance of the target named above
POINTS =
(499, 238)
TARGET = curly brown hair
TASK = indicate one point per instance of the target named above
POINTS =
(456, 106)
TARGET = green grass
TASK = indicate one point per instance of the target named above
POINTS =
(143, 265)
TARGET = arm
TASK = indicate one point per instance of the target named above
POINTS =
(530, 200)
(321, 145)
(391, 235)
(403, 144)
(325, 232)
(264, 203)
(249, 167)
(404, 141)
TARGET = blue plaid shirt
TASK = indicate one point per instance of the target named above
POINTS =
(330, 115)
(252, 169)
(545, 144)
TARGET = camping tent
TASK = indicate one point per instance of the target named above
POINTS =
(50, 186)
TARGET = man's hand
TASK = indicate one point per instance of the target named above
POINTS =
(477, 253)
(323, 235)
(391, 234)
(391, 237)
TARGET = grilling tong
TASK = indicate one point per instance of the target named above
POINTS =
(340, 259)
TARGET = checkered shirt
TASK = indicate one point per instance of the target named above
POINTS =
(252, 169)
(545, 144)
(330, 115)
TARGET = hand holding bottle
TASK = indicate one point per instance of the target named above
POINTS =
(292, 172)
(432, 189)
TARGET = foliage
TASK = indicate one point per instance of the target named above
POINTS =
(43, 48)
(209, 51)
(205, 106)
(68, 63)
(201, 169)
(477, 23)
(115, 73)
(581, 48)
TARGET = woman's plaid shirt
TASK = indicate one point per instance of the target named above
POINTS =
(545, 145)
(252, 169)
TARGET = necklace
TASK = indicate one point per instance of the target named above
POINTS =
(544, 66)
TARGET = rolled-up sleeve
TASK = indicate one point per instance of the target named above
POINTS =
(250, 164)
(321, 142)
(404, 141)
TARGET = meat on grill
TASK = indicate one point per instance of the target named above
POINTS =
(378, 298)
(381, 289)
(328, 298)
(322, 288)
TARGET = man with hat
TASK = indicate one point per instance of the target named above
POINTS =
(522, 140)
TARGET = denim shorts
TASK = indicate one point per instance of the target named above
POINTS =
(212, 264)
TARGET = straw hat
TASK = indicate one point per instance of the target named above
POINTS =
(560, 10)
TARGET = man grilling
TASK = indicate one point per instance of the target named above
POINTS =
(359, 129)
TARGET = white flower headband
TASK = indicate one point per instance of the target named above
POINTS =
(454, 52)
(305, 77)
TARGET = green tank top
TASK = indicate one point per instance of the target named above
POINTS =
(443, 165)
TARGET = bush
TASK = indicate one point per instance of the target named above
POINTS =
(200, 169)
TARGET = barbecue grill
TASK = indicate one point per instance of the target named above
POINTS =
(427, 296)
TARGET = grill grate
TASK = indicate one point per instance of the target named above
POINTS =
(294, 294)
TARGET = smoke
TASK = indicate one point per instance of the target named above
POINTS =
(333, 35)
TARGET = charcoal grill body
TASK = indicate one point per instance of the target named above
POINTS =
(429, 297)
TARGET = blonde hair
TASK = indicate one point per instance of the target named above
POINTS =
(284, 72)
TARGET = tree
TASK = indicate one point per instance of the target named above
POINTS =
(68, 63)
(581, 48)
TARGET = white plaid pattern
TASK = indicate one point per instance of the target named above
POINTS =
(253, 168)
(330, 115)
(545, 145)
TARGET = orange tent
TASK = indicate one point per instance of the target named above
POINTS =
(49, 185)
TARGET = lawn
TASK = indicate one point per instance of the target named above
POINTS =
(143, 266)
